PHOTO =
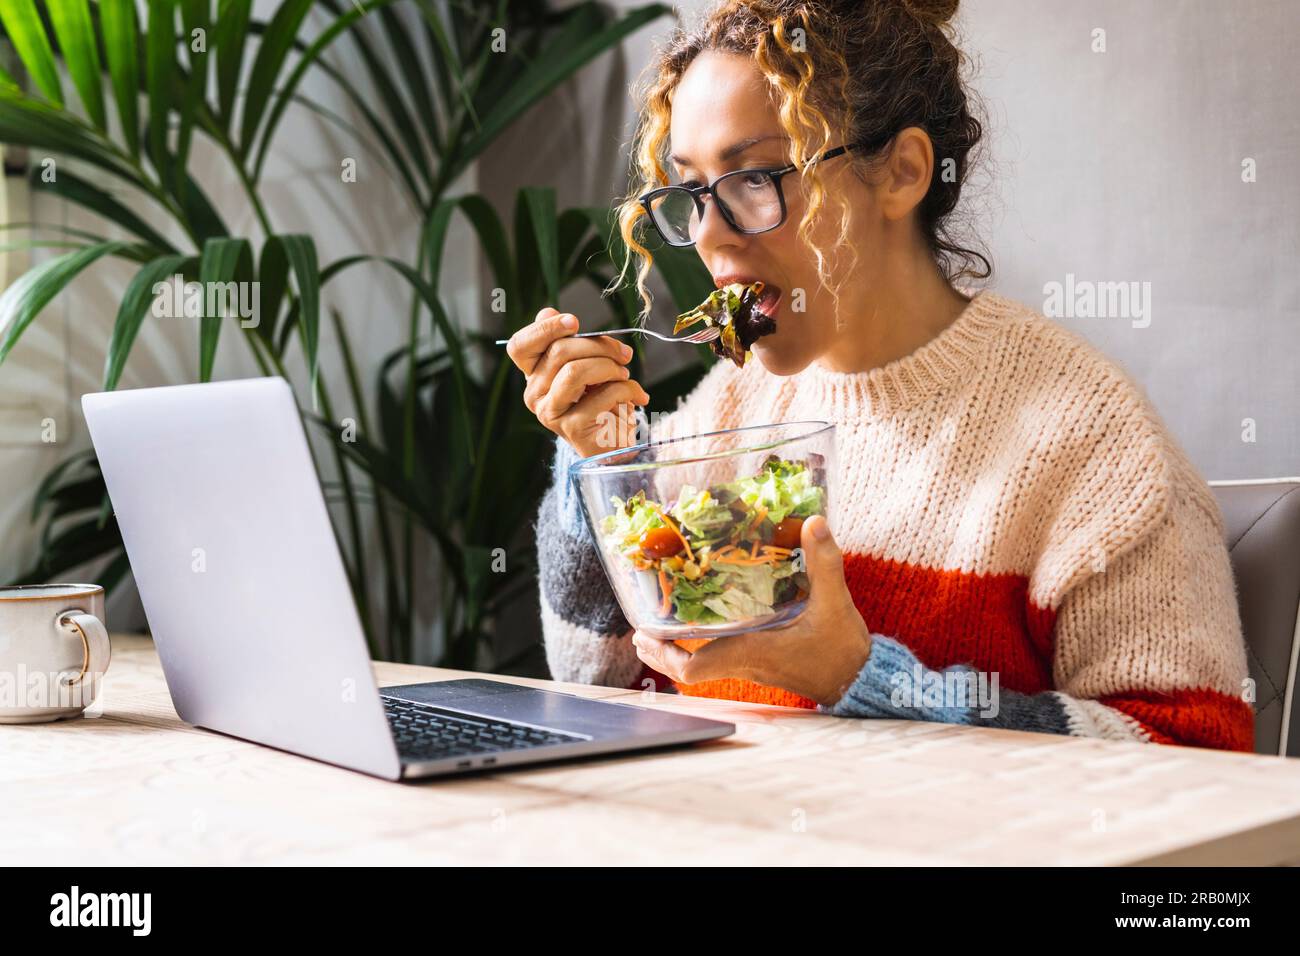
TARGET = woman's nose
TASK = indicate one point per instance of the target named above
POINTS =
(712, 229)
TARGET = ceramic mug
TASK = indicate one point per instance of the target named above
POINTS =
(53, 651)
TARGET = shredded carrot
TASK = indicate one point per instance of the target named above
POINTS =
(751, 526)
(753, 552)
(773, 549)
(665, 585)
(741, 560)
(681, 537)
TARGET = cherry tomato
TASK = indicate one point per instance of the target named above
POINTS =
(787, 533)
(660, 543)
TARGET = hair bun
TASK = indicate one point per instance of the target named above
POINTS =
(937, 12)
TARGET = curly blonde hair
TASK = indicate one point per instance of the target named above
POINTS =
(861, 69)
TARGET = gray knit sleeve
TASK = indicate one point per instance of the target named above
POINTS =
(588, 640)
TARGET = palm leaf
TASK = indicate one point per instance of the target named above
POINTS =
(300, 254)
(407, 129)
(194, 15)
(310, 57)
(441, 322)
(77, 43)
(410, 173)
(231, 34)
(411, 71)
(75, 546)
(447, 67)
(52, 481)
(160, 74)
(275, 46)
(273, 284)
(121, 37)
(200, 215)
(536, 231)
(23, 25)
(492, 238)
(34, 289)
(571, 49)
(223, 261)
(77, 190)
(28, 122)
(131, 313)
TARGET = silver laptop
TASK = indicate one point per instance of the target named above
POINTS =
(241, 579)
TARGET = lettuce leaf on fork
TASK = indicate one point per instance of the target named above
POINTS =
(731, 309)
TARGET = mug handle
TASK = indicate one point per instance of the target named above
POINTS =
(94, 639)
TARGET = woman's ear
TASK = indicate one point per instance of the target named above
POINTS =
(907, 173)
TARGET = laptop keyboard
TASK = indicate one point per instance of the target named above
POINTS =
(427, 733)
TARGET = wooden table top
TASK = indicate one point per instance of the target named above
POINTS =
(135, 785)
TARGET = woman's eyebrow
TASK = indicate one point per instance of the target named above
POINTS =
(734, 149)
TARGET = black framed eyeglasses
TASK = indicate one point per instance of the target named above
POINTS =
(751, 201)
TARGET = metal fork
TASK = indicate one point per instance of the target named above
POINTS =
(695, 338)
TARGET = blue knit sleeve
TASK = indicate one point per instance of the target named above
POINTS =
(894, 684)
(566, 493)
(583, 627)
(883, 688)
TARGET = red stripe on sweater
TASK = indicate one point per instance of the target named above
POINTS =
(957, 617)
(1192, 718)
(944, 617)
(733, 688)
(953, 617)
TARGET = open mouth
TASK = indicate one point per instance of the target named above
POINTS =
(769, 301)
(742, 311)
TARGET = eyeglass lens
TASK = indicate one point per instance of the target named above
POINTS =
(751, 198)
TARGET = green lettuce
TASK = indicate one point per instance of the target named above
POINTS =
(629, 520)
(730, 592)
(784, 488)
(703, 518)
(689, 599)
(708, 518)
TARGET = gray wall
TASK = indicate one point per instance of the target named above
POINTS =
(1127, 166)
(1122, 166)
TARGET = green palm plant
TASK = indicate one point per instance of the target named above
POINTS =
(143, 187)
(433, 124)
(470, 477)
(443, 431)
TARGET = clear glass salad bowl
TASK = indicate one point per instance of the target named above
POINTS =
(700, 536)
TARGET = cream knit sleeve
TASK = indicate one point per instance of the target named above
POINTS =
(1132, 587)
(1150, 640)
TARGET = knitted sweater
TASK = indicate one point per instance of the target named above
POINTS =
(1025, 542)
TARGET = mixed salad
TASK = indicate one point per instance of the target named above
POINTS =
(724, 553)
(733, 309)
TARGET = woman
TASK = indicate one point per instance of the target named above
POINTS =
(1010, 506)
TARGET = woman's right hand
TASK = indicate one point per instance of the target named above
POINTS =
(580, 389)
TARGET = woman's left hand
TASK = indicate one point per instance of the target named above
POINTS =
(817, 656)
